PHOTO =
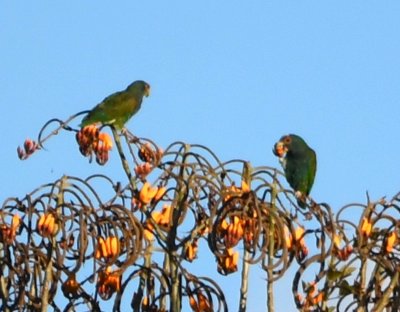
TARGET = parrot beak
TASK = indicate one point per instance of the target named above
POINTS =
(279, 149)
(147, 90)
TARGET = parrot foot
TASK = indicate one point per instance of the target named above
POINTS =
(301, 199)
(298, 194)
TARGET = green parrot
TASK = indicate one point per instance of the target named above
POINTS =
(117, 108)
(299, 162)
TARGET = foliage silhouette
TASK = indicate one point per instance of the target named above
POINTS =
(137, 243)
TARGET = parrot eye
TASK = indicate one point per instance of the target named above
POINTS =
(287, 140)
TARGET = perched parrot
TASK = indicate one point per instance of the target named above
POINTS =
(119, 107)
(299, 162)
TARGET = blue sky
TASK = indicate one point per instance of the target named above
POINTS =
(233, 76)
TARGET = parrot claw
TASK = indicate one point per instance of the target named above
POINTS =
(301, 199)
(124, 131)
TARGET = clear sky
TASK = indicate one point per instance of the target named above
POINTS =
(233, 75)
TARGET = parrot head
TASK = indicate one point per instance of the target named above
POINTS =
(139, 86)
(282, 146)
(289, 144)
